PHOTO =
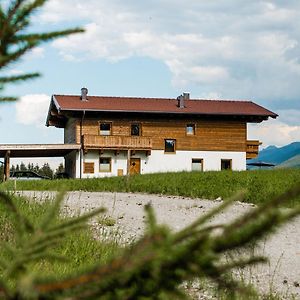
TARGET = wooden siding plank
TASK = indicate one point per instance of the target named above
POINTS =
(210, 135)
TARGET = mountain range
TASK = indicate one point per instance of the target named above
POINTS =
(283, 157)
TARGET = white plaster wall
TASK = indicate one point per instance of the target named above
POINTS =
(118, 161)
(158, 161)
(78, 164)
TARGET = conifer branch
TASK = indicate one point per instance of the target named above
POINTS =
(156, 264)
(14, 39)
(18, 78)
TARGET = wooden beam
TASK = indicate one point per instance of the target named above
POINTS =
(128, 162)
(6, 165)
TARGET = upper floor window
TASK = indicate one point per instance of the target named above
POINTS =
(135, 129)
(190, 129)
(170, 146)
(105, 128)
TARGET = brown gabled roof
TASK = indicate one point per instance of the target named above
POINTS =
(160, 105)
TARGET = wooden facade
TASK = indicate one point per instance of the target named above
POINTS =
(252, 149)
(129, 135)
(208, 135)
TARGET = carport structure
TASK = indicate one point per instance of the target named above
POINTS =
(8, 151)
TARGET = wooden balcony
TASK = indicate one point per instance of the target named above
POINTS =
(117, 142)
(252, 149)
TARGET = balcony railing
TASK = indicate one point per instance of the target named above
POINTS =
(252, 149)
(117, 142)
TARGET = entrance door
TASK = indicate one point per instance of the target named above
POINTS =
(135, 166)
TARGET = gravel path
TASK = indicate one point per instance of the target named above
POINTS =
(281, 275)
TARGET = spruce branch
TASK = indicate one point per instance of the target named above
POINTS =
(159, 262)
(15, 41)
(8, 79)
(21, 219)
(7, 99)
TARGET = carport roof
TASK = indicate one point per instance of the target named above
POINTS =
(37, 150)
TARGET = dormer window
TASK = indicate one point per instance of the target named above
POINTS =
(105, 128)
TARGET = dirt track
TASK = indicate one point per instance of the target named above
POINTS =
(282, 274)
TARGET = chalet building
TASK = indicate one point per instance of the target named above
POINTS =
(125, 135)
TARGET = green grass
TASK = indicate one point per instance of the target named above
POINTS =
(260, 185)
(80, 248)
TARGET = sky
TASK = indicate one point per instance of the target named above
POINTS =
(223, 49)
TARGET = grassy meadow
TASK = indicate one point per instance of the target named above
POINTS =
(84, 251)
(80, 248)
(260, 185)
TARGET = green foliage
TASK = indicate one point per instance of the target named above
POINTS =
(45, 170)
(259, 185)
(153, 267)
(106, 221)
(1, 171)
(34, 242)
(16, 40)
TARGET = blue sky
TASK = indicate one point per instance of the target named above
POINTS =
(226, 49)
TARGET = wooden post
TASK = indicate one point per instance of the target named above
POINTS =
(128, 163)
(6, 165)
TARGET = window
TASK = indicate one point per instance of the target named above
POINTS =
(88, 167)
(135, 129)
(105, 128)
(226, 164)
(197, 164)
(105, 164)
(170, 146)
(190, 129)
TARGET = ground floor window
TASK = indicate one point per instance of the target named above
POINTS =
(197, 164)
(88, 167)
(226, 164)
(105, 164)
(170, 146)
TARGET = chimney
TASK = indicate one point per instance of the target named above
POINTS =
(181, 99)
(186, 96)
(84, 92)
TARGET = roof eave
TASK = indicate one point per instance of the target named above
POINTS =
(266, 116)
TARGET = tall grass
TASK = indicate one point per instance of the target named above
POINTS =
(259, 185)
(81, 248)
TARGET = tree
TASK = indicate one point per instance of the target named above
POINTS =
(45, 170)
(23, 167)
(1, 170)
(60, 169)
(15, 40)
(13, 168)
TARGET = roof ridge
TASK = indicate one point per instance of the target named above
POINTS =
(156, 98)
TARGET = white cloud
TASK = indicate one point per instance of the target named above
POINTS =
(237, 51)
(32, 109)
(37, 52)
(274, 132)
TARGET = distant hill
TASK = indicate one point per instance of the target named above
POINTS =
(293, 162)
(283, 157)
(273, 154)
